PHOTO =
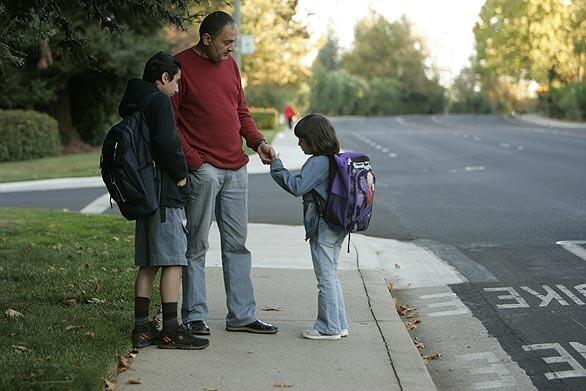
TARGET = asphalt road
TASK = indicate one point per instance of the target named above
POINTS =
(492, 197)
(503, 203)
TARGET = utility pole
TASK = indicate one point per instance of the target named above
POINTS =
(237, 17)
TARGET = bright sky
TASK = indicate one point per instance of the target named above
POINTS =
(445, 25)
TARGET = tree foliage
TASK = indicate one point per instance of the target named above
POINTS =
(72, 58)
(540, 40)
(328, 55)
(384, 73)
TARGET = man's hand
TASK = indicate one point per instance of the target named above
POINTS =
(266, 152)
(182, 182)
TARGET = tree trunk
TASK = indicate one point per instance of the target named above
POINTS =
(63, 111)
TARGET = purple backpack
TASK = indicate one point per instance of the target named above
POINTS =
(350, 193)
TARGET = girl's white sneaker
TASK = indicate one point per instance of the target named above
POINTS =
(344, 333)
(314, 334)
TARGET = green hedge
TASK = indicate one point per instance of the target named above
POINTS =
(265, 117)
(27, 134)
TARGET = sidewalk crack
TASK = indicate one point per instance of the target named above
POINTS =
(376, 320)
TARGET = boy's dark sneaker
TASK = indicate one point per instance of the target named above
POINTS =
(182, 339)
(145, 336)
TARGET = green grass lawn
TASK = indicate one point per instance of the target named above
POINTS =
(71, 276)
(77, 165)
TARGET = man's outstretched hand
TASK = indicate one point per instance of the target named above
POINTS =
(267, 153)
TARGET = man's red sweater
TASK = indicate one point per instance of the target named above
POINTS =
(212, 113)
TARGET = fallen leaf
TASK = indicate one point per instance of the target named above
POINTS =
(95, 300)
(70, 302)
(133, 355)
(412, 325)
(13, 313)
(282, 385)
(109, 386)
(134, 381)
(272, 308)
(58, 247)
(397, 266)
(428, 357)
(401, 309)
(419, 345)
(413, 314)
(211, 389)
(71, 327)
(123, 362)
(20, 349)
(390, 287)
(90, 334)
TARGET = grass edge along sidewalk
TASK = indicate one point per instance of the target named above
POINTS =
(70, 276)
(70, 166)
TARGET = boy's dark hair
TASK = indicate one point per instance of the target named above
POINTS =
(214, 23)
(159, 64)
(318, 133)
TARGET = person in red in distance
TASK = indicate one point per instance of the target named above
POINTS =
(212, 118)
(289, 114)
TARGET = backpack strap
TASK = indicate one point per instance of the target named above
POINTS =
(317, 198)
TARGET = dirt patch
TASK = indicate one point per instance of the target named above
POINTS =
(77, 146)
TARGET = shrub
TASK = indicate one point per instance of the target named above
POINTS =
(265, 117)
(27, 134)
(568, 102)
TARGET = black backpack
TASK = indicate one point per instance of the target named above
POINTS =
(128, 168)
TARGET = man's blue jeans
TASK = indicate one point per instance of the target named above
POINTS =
(224, 192)
(325, 250)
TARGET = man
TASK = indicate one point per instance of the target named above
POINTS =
(160, 240)
(212, 117)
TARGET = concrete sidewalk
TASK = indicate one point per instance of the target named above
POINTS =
(378, 354)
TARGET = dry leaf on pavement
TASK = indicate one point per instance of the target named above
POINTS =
(109, 386)
(123, 363)
(13, 313)
(272, 308)
(211, 389)
(390, 287)
(413, 314)
(397, 266)
(419, 345)
(282, 385)
(134, 381)
(428, 357)
(412, 325)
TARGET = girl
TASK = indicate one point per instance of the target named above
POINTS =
(317, 137)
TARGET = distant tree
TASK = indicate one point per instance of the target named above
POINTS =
(328, 55)
(540, 40)
(466, 95)
(389, 50)
(281, 42)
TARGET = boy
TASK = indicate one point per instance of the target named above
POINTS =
(160, 240)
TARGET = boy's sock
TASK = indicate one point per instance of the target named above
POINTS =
(141, 311)
(170, 323)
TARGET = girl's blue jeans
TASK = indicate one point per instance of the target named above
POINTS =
(325, 250)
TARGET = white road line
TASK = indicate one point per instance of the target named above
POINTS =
(504, 145)
(392, 154)
(576, 247)
(384, 150)
(474, 168)
(99, 205)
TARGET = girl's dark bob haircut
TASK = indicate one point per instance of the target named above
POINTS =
(318, 133)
